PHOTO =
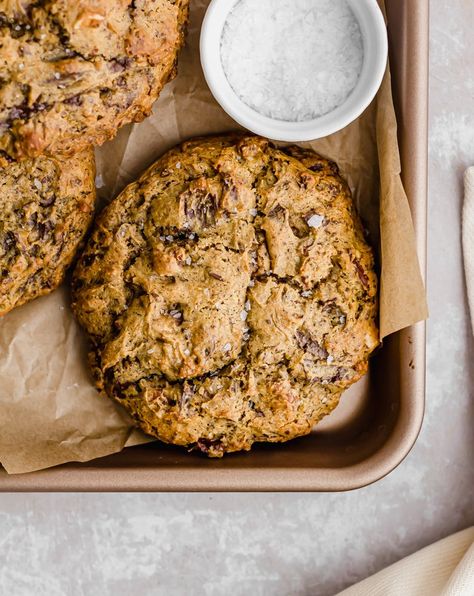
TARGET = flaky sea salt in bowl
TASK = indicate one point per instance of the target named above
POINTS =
(294, 70)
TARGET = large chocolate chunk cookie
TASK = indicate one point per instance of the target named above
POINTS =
(72, 73)
(229, 294)
(46, 206)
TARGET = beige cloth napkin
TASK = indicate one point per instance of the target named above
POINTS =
(468, 236)
(445, 568)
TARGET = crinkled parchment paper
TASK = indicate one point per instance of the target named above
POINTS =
(50, 412)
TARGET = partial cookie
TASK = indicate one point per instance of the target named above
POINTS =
(46, 206)
(229, 294)
(72, 73)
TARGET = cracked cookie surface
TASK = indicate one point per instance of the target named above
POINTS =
(46, 206)
(229, 294)
(72, 73)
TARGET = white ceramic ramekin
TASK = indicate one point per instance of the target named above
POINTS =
(374, 33)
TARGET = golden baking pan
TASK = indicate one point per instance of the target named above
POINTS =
(370, 433)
